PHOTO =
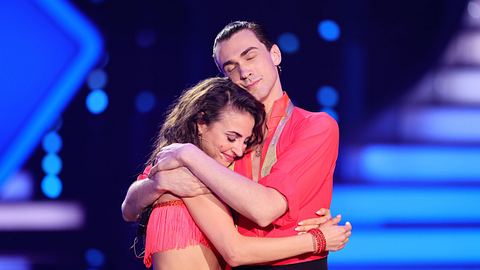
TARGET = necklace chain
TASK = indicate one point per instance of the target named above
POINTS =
(258, 151)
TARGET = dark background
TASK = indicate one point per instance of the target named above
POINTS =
(384, 48)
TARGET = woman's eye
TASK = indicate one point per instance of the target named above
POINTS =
(230, 139)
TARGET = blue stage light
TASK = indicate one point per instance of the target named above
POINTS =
(15, 262)
(17, 188)
(327, 96)
(412, 163)
(97, 79)
(97, 101)
(55, 47)
(146, 38)
(145, 101)
(288, 42)
(51, 164)
(329, 30)
(51, 186)
(94, 257)
(52, 142)
(444, 124)
(401, 205)
(331, 112)
(409, 247)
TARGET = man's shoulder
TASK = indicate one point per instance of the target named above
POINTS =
(304, 117)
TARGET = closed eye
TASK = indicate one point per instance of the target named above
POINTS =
(251, 58)
(230, 69)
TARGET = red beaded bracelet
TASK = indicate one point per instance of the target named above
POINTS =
(320, 243)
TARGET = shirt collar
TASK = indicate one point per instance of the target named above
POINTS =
(279, 110)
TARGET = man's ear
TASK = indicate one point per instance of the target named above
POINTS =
(276, 55)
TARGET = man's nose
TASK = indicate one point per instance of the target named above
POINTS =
(245, 72)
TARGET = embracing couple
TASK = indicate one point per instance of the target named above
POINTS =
(239, 176)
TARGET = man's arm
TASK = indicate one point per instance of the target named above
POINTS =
(151, 185)
(140, 194)
(315, 147)
(258, 203)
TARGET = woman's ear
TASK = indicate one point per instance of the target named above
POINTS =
(201, 125)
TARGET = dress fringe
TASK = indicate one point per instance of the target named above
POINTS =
(171, 227)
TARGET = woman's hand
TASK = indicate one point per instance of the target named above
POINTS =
(336, 236)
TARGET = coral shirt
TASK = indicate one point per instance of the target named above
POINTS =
(306, 151)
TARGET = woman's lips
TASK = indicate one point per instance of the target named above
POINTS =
(228, 158)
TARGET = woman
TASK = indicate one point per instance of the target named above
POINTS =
(224, 121)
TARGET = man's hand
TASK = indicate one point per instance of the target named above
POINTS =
(170, 156)
(312, 223)
(180, 182)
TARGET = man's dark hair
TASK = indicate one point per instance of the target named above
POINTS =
(234, 27)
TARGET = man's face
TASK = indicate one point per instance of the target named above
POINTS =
(248, 63)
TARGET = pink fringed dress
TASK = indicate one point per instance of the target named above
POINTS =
(170, 227)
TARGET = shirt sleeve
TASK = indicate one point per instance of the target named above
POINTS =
(305, 165)
(144, 174)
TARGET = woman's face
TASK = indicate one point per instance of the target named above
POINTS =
(225, 140)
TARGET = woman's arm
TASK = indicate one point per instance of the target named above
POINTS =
(215, 221)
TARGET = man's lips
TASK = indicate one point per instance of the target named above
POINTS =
(252, 84)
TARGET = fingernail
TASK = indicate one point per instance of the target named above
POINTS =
(297, 229)
(300, 223)
(318, 212)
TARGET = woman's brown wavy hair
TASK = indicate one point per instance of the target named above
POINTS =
(204, 102)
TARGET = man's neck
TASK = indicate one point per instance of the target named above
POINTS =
(275, 94)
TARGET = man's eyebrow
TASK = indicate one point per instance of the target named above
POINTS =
(247, 51)
(230, 62)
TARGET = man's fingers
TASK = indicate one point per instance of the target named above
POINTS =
(322, 211)
(348, 225)
(305, 228)
(340, 247)
(336, 219)
(313, 221)
(153, 171)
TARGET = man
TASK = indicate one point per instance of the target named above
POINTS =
(292, 172)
